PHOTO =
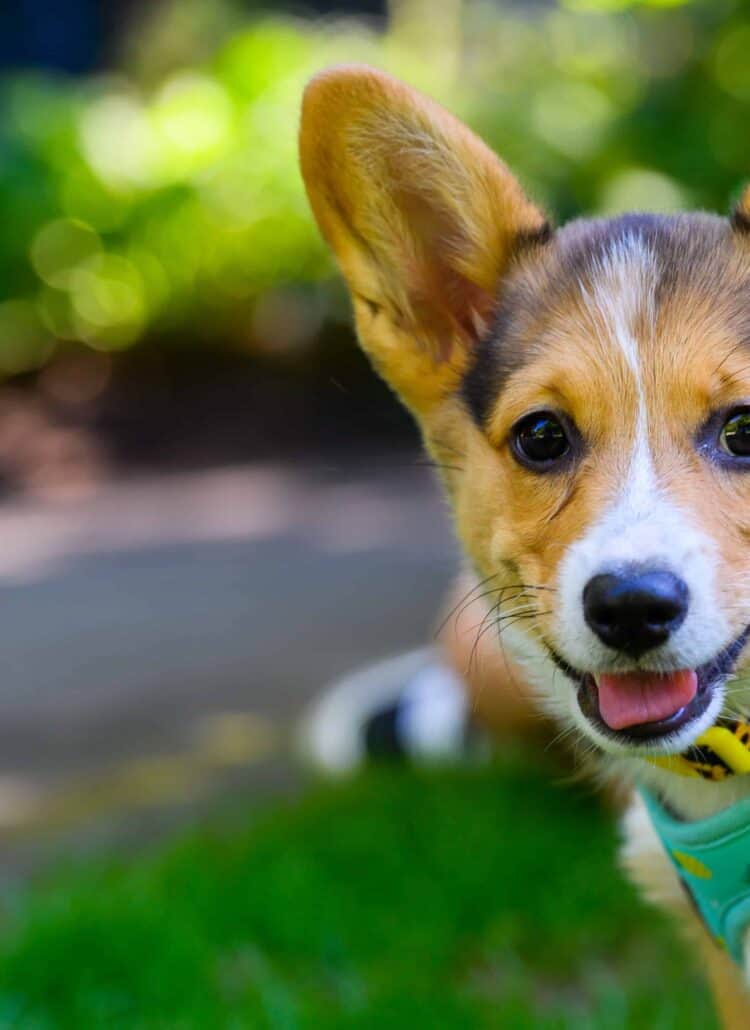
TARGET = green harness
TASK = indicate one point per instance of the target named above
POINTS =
(712, 856)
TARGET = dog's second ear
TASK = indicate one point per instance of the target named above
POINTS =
(423, 219)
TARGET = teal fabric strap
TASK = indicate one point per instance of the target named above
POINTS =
(712, 857)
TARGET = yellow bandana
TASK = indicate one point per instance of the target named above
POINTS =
(720, 752)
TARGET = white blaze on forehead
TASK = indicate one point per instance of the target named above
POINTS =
(622, 295)
(621, 298)
(641, 525)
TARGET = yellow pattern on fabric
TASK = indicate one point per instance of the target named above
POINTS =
(692, 865)
(675, 764)
(728, 746)
(728, 753)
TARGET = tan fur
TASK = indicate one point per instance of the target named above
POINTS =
(427, 226)
(732, 998)
(421, 216)
(500, 698)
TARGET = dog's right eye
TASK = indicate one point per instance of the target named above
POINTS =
(735, 434)
(539, 440)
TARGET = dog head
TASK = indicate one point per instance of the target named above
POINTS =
(586, 392)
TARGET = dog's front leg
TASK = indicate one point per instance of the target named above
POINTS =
(730, 993)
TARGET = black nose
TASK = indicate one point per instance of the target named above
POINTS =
(636, 609)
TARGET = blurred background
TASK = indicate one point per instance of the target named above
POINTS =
(209, 506)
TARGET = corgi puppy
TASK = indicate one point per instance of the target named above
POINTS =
(585, 392)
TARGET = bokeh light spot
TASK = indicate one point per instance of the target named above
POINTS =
(59, 247)
(109, 302)
(642, 189)
(118, 141)
(731, 64)
(192, 115)
(572, 117)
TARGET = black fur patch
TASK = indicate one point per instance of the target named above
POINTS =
(493, 365)
(526, 241)
(495, 361)
(740, 219)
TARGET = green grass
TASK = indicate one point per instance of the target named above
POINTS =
(442, 900)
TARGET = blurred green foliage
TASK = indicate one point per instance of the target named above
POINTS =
(164, 201)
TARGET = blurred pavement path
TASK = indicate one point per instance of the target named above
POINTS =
(193, 615)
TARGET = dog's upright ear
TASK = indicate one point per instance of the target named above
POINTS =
(423, 218)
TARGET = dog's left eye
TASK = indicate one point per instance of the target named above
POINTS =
(735, 434)
(539, 440)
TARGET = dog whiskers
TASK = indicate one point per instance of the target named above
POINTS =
(467, 598)
(429, 463)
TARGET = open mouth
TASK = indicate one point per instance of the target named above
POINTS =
(648, 705)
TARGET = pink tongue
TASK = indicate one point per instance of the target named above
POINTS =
(638, 697)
